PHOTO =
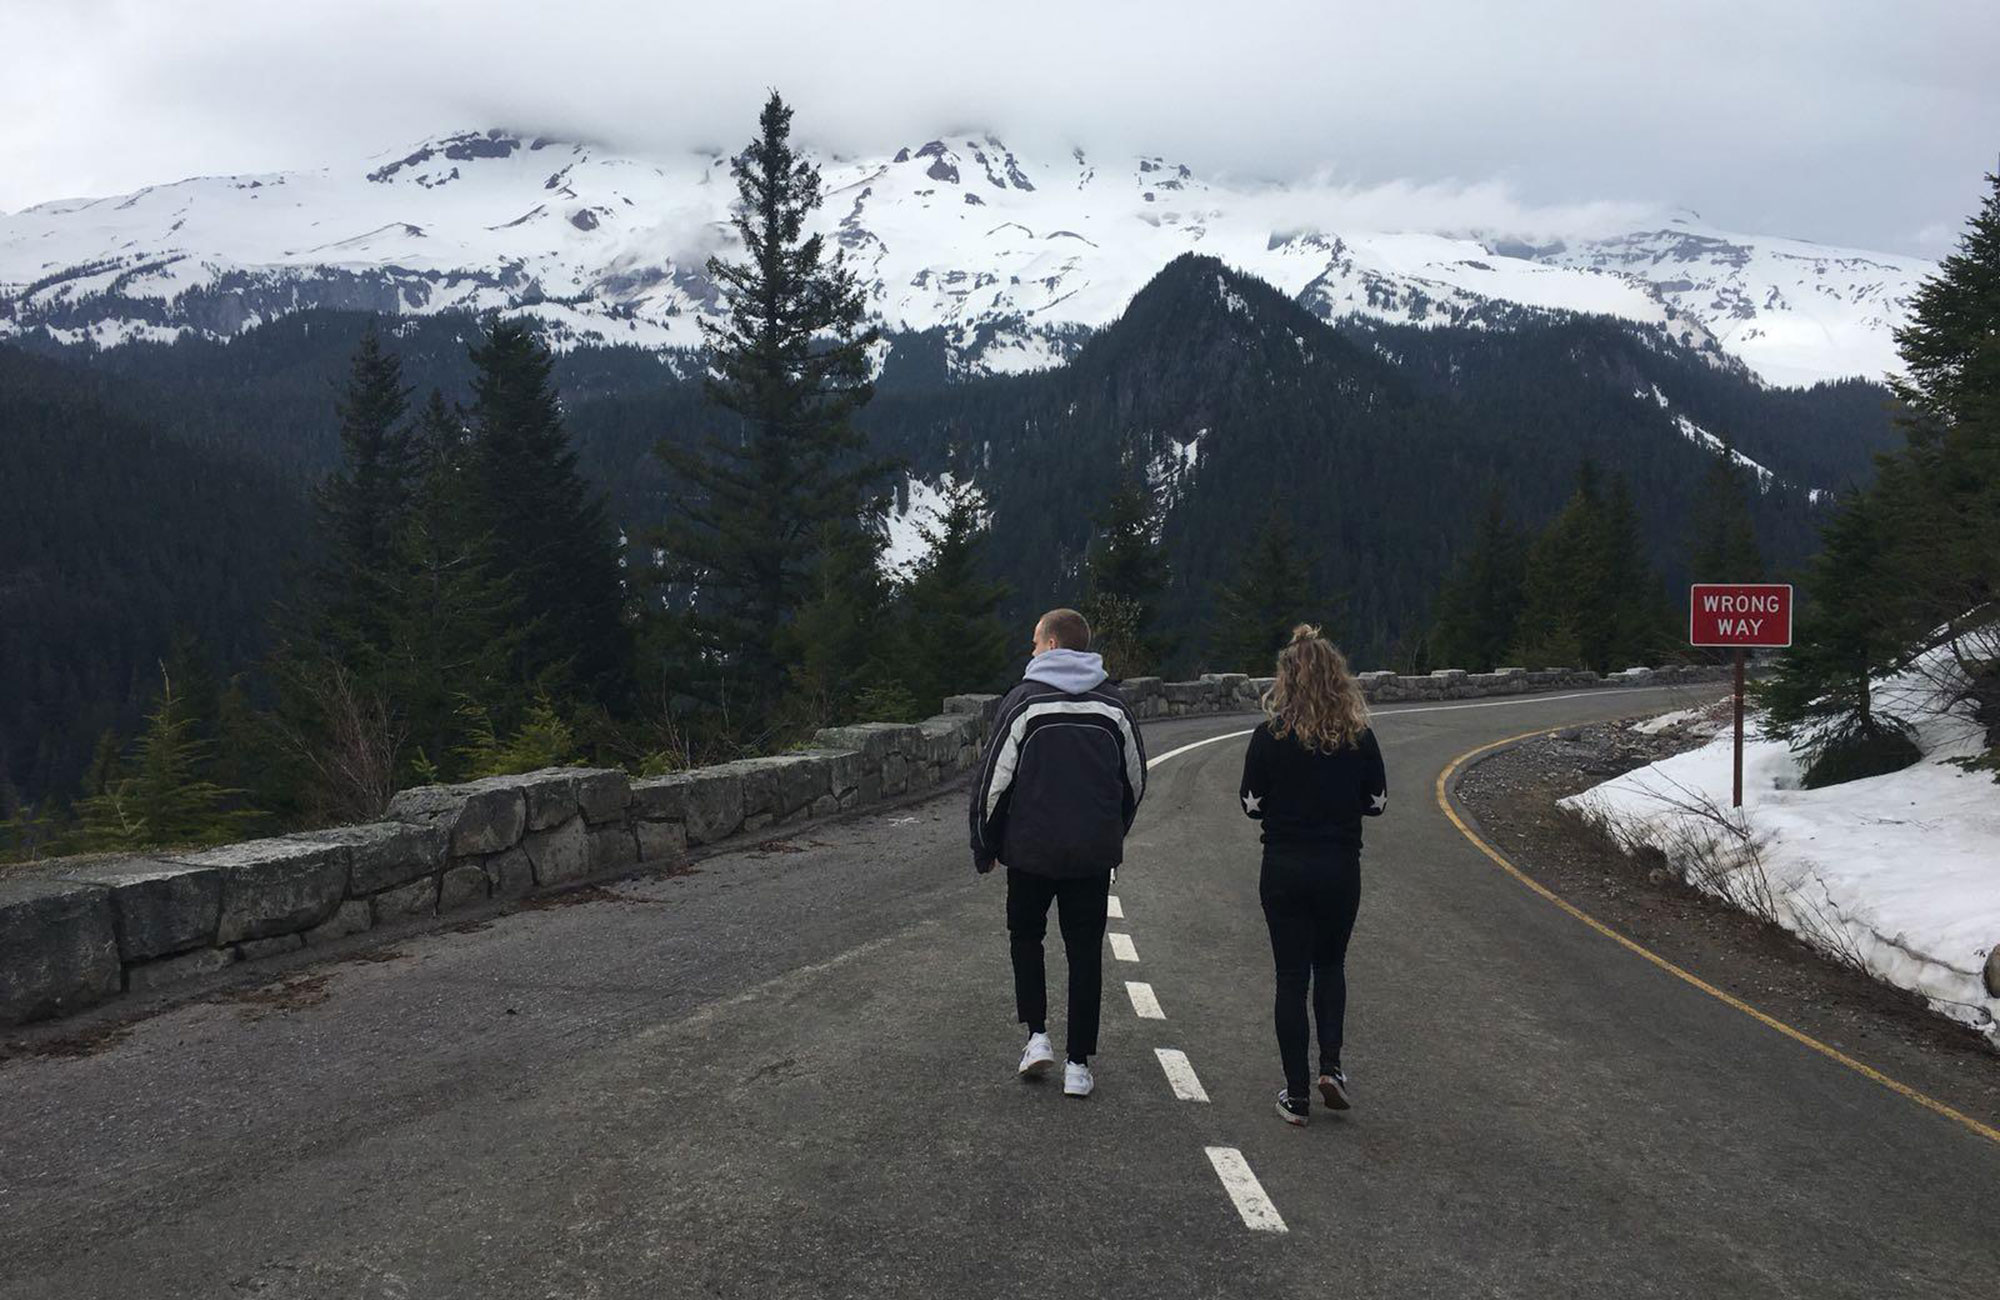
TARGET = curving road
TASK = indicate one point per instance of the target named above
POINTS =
(790, 1074)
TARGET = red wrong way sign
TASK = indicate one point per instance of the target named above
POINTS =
(1740, 614)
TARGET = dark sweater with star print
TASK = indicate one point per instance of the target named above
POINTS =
(1306, 797)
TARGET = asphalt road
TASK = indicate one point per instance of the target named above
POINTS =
(791, 1074)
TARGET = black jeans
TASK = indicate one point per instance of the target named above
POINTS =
(1080, 909)
(1310, 894)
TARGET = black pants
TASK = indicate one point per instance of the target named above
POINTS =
(1310, 894)
(1080, 908)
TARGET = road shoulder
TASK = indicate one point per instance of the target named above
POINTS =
(1510, 797)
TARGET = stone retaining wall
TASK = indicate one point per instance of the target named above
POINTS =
(75, 934)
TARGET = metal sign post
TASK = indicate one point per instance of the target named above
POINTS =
(1738, 615)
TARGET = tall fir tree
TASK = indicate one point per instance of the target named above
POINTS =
(1479, 608)
(1269, 595)
(362, 504)
(451, 618)
(551, 542)
(838, 645)
(1126, 576)
(953, 638)
(1821, 694)
(1588, 596)
(1629, 608)
(1722, 541)
(789, 362)
(1909, 574)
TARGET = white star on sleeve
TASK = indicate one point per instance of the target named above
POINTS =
(1253, 803)
(1380, 801)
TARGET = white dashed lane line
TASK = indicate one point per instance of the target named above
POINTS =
(1114, 909)
(1181, 1074)
(1122, 949)
(1259, 1215)
(1144, 1004)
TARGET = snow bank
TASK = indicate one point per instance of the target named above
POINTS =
(1899, 874)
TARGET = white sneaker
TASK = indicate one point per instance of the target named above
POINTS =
(1076, 1080)
(1037, 1056)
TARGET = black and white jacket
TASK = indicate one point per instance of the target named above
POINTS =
(1063, 775)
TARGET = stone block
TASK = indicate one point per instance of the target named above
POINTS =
(942, 737)
(604, 794)
(462, 887)
(660, 798)
(982, 707)
(272, 887)
(757, 823)
(510, 874)
(708, 800)
(1183, 693)
(382, 855)
(824, 806)
(874, 741)
(661, 841)
(612, 847)
(169, 971)
(1141, 688)
(351, 917)
(782, 783)
(483, 816)
(418, 898)
(276, 946)
(895, 775)
(560, 854)
(158, 907)
(756, 783)
(58, 947)
(1993, 971)
(551, 793)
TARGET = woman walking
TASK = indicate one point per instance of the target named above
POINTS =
(1312, 773)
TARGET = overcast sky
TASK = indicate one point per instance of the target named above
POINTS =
(1867, 124)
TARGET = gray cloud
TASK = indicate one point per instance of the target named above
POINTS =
(1860, 123)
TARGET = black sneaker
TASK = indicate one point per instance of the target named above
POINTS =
(1289, 1110)
(1333, 1090)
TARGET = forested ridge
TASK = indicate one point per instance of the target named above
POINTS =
(167, 487)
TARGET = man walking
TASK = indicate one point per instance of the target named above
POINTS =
(1064, 773)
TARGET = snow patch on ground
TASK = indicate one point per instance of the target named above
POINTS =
(1899, 874)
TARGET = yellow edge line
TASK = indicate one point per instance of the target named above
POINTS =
(1986, 1131)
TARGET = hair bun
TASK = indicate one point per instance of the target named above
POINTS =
(1304, 632)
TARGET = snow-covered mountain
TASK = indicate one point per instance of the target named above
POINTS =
(1014, 258)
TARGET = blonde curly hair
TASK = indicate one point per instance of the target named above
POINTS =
(1315, 696)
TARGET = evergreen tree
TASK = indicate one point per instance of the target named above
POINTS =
(1950, 351)
(1821, 694)
(1559, 583)
(361, 506)
(167, 799)
(789, 362)
(1722, 542)
(954, 641)
(1270, 595)
(1628, 622)
(450, 617)
(550, 541)
(1479, 608)
(1126, 578)
(839, 643)
(1588, 597)
(1909, 576)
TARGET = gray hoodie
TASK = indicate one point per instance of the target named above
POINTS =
(1074, 671)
